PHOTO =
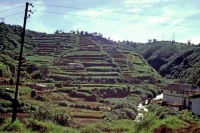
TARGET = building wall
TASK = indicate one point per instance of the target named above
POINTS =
(171, 95)
(196, 106)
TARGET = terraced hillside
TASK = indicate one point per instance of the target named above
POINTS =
(176, 61)
(68, 60)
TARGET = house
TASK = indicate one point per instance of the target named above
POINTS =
(76, 65)
(178, 95)
(196, 104)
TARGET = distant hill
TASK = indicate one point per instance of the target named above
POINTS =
(68, 59)
(176, 61)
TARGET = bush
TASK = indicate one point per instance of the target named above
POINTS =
(33, 93)
(46, 112)
(5, 103)
(12, 81)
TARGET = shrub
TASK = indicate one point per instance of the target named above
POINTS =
(46, 112)
(33, 93)
(12, 81)
(5, 103)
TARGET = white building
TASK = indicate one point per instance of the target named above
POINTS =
(180, 94)
(196, 104)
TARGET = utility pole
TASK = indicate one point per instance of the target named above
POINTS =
(2, 20)
(15, 103)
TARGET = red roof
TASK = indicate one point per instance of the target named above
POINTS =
(174, 103)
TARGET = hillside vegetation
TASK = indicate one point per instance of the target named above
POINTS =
(92, 84)
(46, 58)
(176, 61)
(85, 74)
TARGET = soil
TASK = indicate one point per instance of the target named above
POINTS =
(163, 129)
(19, 115)
(191, 128)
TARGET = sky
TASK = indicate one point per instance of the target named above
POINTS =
(133, 20)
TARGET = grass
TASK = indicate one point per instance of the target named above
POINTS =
(171, 122)
(17, 126)
(117, 126)
(26, 90)
(83, 113)
(33, 126)
(141, 68)
(39, 58)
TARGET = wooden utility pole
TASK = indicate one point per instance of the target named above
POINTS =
(15, 103)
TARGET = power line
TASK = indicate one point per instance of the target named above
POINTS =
(39, 23)
(12, 14)
(118, 19)
(42, 20)
(11, 8)
(79, 8)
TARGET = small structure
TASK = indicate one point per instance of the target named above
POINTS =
(180, 93)
(76, 65)
(39, 87)
(175, 105)
(196, 104)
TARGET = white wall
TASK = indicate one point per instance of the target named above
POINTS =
(196, 106)
(170, 96)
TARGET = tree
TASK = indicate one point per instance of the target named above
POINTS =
(86, 33)
(149, 40)
(189, 42)
(82, 32)
(57, 31)
(77, 31)
(154, 41)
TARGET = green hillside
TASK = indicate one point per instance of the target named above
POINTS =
(103, 63)
(176, 61)
(88, 83)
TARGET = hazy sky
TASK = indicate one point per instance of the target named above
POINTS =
(134, 20)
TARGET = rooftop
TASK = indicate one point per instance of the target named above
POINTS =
(182, 87)
(174, 103)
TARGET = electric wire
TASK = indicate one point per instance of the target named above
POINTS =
(41, 20)
(11, 8)
(79, 8)
(12, 14)
(118, 19)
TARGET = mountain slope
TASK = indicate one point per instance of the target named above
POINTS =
(176, 61)
(48, 58)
